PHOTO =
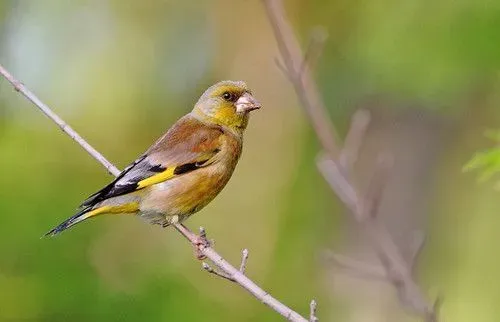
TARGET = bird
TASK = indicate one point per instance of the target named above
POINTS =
(185, 169)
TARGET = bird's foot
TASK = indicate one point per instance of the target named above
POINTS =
(200, 242)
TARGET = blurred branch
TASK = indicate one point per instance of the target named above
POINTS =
(358, 268)
(228, 270)
(299, 75)
(417, 245)
(398, 271)
(349, 154)
(317, 41)
(376, 187)
(338, 182)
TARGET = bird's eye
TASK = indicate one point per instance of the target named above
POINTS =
(228, 96)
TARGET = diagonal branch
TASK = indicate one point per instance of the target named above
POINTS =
(358, 268)
(301, 78)
(314, 49)
(209, 269)
(18, 86)
(354, 139)
(417, 245)
(397, 269)
(230, 272)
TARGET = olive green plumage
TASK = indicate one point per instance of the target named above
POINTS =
(184, 169)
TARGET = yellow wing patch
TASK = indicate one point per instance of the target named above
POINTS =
(126, 208)
(157, 178)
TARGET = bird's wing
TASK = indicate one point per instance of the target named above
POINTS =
(187, 146)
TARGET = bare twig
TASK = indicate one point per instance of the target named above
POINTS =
(354, 139)
(417, 245)
(18, 86)
(398, 270)
(313, 308)
(209, 269)
(228, 269)
(314, 50)
(302, 82)
(244, 259)
(203, 233)
(438, 302)
(282, 68)
(358, 268)
(376, 187)
(339, 183)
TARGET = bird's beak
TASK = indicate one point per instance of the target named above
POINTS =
(247, 103)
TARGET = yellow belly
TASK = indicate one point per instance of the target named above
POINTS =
(180, 197)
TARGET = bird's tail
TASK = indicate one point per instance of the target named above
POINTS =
(88, 212)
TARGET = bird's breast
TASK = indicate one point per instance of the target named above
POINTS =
(189, 192)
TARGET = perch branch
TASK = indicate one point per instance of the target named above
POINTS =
(225, 267)
(18, 86)
(398, 271)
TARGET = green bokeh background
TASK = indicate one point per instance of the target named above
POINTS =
(121, 72)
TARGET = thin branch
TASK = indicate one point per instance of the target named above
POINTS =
(307, 92)
(338, 182)
(283, 69)
(417, 245)
(358, 268)
(202, 236)
(313, 307)
(244, 259)
(314, 50)
(18, 86)
(209, 269)
(397, 268)
(206, 250)
(354, 139)
(203, 233)
(376, 187)
(301, 80)
(438, 302)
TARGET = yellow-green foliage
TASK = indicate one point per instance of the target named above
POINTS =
(486, 162)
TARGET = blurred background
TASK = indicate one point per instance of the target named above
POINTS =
(121, 72)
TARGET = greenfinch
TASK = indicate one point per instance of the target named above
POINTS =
(185, 168)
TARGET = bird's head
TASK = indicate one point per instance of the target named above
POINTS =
(228, 104)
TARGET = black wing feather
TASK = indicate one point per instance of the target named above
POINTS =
(117, 188)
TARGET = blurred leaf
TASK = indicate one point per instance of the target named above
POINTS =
(488, 162)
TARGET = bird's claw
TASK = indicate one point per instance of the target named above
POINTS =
(200, 243)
